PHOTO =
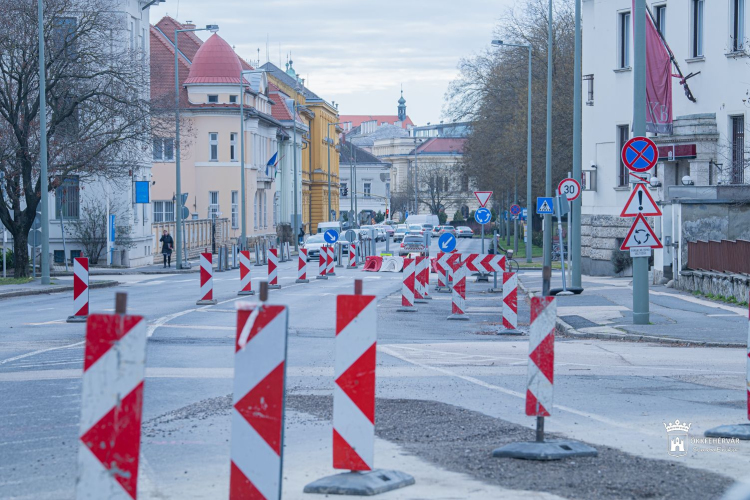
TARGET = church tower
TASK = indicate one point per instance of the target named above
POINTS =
(402, 107)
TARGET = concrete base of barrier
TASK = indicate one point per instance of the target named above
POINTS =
(302, 281)
(571, 291)
(738, 431)
(517, 331)
(421, 301)
(251, 292)
(443, 289)
(366, 483)
(459, 317)
(407, 309)
(321, 277)
(483, 278)
(494, 290)
(351, 267)
(331, 274)
(211, 302)
(76, 319)
(274, 287)
(545, 450)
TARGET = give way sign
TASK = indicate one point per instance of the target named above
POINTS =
(483, 197)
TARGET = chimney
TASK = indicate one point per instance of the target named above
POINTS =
(189, 25)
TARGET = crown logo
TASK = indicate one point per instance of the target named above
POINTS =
(677, 426)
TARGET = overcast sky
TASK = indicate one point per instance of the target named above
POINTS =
(356, 53)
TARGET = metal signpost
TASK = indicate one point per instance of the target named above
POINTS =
(563, 208)
(515, 211)
(571, 189)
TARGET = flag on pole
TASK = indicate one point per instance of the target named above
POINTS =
(272, 164)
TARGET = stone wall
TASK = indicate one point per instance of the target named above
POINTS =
(726, 285)
(599, 234)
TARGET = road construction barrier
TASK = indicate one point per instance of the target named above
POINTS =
(407, 286)
(207, 280)
(352, 256)
(111, 406)
(258, 401)
(339, 254)
(322, 264)
(273, 268)
(541, 357)
(392, 264)
(433, 265)
(441, 265)
(484, 263)
(246, 286)
(302, 267)
(421, 279)
(453, 261)
(330, 271)
(373, 263)
(458, 296)
(80, 290)
(510, 301)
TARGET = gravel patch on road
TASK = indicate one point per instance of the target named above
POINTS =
(462, 441)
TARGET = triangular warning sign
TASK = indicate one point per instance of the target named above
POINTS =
(544, 208)
(640, 203)
(641, 236)
(483, 197)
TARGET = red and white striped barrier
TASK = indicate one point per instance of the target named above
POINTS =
(541, 357)
(422, 279)
(111, 405)
(458, 302)
(246, 285)
(354, 392)
(441, 264)
(258, 402)
(454, 260)
(80, 290)
(407, 287)
(330, 271)
(273, 268)
(484, 263)
(352, 256)
(302, 267)
(322, 264)
(207, 280)
(510, 301)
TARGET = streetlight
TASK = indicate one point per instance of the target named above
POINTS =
(43, 181)
(328, 146)
(529, 230)
(243, 195)
(416, 178)
(297, 218)
(178, 240)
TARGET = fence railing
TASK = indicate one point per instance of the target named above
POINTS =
(197, 235)
(723, 256)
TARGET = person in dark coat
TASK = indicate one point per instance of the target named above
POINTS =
(166, 247)
(301, 235)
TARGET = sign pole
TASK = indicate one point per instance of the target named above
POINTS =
(547, 266)
(640, 264)
(571, 214)
(482, 238)
(562, 241)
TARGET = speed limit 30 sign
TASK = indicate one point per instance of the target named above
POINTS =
(569, 187)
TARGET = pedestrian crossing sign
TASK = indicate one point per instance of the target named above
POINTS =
(545, 206)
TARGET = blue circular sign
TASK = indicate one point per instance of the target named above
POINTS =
(331, 236)
(447, 242)
(482, 215)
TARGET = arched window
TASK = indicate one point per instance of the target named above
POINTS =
(255, 210)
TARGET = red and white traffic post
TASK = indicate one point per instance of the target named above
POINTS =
(421, 280)
(330, 269)
(80, 290)
(246, 285)
(273, 268)
(352, 256)
(302, 267)
(510, 303)
(407, 286)
(111, 406)
(258, 401)
(322, 264)
(442, 274)
(207, 280)
(458, 302)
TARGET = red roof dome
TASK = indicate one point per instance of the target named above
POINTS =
(215, 62)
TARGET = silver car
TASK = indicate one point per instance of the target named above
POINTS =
(411, 243)
(313, 245)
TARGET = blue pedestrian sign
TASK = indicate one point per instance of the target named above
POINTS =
(331, 236)
(545, 206)
(447, 242)
(482, 215)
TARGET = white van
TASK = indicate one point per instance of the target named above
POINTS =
(422, 220)
(325, 226)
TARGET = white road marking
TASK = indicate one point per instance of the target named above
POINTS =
(40, 351)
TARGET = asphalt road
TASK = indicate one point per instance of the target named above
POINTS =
(616, 396)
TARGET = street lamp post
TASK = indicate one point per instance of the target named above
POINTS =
(328, 146)
(243, 193)
(295, 215)
(178, 240)
(575, 236)
(547, 269)
(416, 178)
(528, 152)
(43, 181)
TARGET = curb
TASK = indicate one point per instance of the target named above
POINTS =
(47, 291)
(566, 330)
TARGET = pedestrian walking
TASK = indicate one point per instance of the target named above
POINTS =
(166, 247)
(301, 235)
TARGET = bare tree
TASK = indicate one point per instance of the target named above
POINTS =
(98, 104)
(90, 230)
(440, 187)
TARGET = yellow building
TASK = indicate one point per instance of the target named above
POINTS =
(324, 127)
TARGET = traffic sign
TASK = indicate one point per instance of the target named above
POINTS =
(639, 154)
(350, 236)
(524, 214)
(483, 197)
(545, 206)
(640, 203)
(185, 213)
(482, 215)
(515, 210)
(641, 235)
(331, 236)
(447, 242)
(570, 187)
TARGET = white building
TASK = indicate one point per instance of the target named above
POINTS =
(707, 143)
(372, 190)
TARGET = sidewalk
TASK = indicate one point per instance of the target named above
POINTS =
(605, 310)
(36, 288)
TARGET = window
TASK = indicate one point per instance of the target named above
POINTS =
(164, 211)
(213, 99)
(367, 189)
(589, 79)
(213, 204)
(233, 99)
(738, 25)
(660, 14)
(233, 146)
(738, 149)
(623, 60)
(235, 209)
(64, 36)
(255, 210)
(163, 149)
(623, 134)
(465, 183)
(59, 256)
(67, 199)
(213, 143)
(696, 29)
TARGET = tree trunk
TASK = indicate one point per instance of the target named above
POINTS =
(21, 255)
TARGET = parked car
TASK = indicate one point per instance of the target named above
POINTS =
(388, 230)
(399, 233)
(464, 232)
(411, 243)
(436, 231)
(312, 245)
(448, 229)
(382, 234)
(416, 228)
(427, 228)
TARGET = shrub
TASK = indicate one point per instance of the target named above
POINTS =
(621, 260)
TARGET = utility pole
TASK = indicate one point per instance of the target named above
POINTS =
(640, 264)
(416, 179)
(43, 180)
(295, 215)
(547, 269)
(575, 236)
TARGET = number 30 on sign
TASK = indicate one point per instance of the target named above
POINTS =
(569, 187)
